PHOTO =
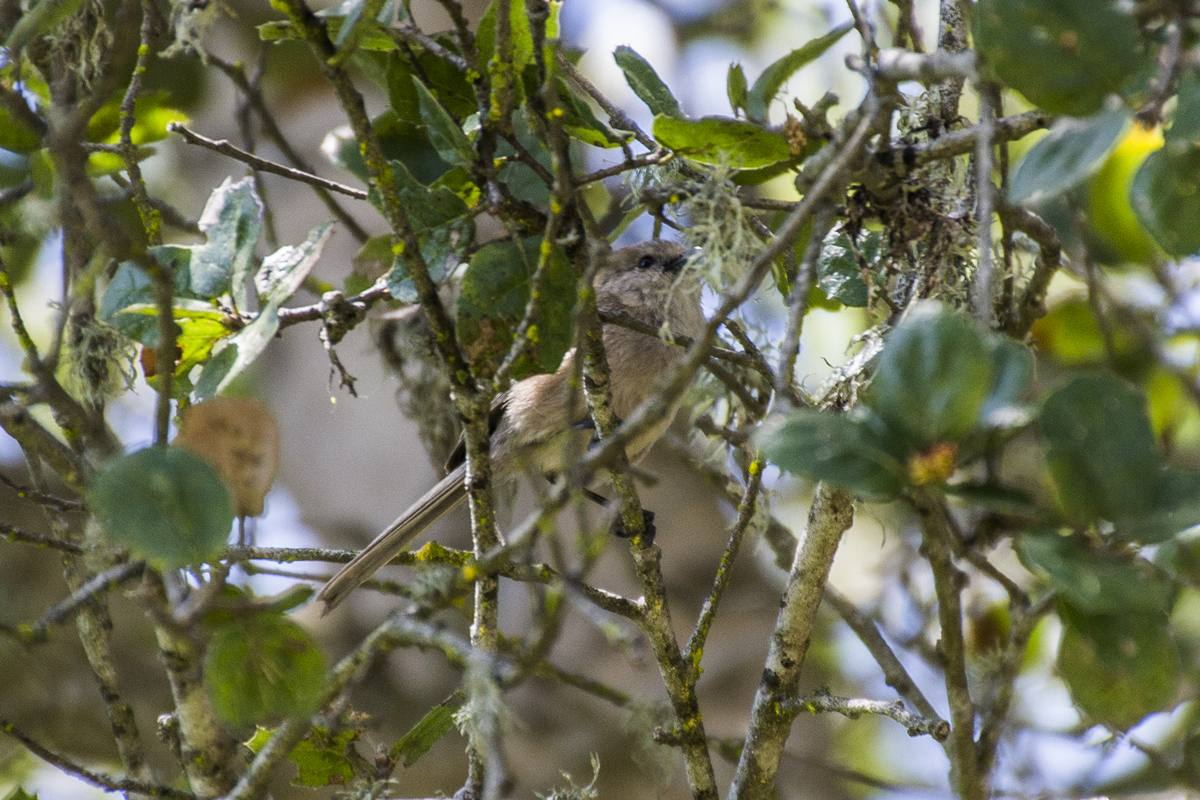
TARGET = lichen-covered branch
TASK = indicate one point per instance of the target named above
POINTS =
(830, 516)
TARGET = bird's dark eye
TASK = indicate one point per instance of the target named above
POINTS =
(645, 262)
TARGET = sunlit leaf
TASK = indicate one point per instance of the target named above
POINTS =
(736, 87)
(322, 760)
(232, 224)
(716, 140)
(261, 667)
(283, 272)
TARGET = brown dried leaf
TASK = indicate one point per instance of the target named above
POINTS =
(240, 440)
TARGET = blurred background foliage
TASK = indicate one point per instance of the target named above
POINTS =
(1071, 468)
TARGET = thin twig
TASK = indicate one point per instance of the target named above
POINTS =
(225, 148)
(821, 702)
(21, 536)
(746, 513)
(106, 782)
(61, 612)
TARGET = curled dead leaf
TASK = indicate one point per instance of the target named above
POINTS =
(240, 440)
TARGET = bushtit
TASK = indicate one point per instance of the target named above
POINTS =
(530, 423)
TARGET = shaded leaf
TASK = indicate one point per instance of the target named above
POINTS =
(932, 377)
(758, 100)
(646, 84)
(838, 449)
(1094, 582)
(422, 736)
(1013, 365)
(443, 225)
(1166, 198)
(715, 140)
(1175, 507)
(15, 137)
(263, 666)
(447, 137)
(1065, 56)
(492, 301)
(1073, 150)
(165, 503)
(839, 273)
(1118, 669)
(131, 287)
(1101, 450)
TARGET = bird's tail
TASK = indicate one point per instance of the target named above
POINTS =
(436, 503)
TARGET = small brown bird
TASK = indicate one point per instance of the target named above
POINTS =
(530, 421)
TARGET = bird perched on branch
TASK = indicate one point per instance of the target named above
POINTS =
(531, 421)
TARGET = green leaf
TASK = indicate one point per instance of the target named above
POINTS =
(442, 222)
(322, 759)
(39, 19)
(15, 137)
(166, 503)
(846, 451)
(131, 287)
(1065, 56)
(1166, 198)
(212, 376)
(838, 271)
(763, 92)
(1119, 669)
(373, 37)
(447, 137)
(646, 84)
(932, 377)
(736, 87)
(993, 497)
(1013, 365)
(1185, 127)
(19, 793)
(239, 352)
(492, 301)
(422, 736)
(283, 272)
(263, 666)
(1175, 507)
(1070, 153)
(716, 140)
(1094, 582)
(1101, 449)
(581, 122)
(232, 224)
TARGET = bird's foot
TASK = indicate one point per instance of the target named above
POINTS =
(620, 530)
